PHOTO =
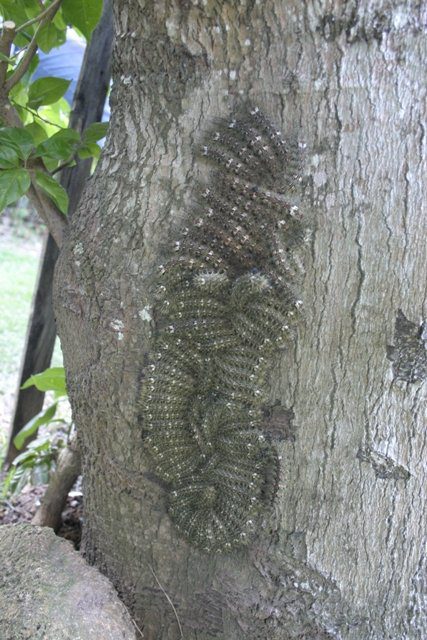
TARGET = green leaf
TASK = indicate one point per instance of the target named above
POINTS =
(55, 114)
(19, 11)
(8, 157)
(13, 10)
(11, 480)
(32, 7)
(13, 184)
(60, 146)
(26, 458)
(44, 417)
(26, 78)
(95, 131)
(18, 139)
(46, 91)
(50, 36)
(19, 94)
(53, 190)
(37, 132)
(59, 21)
(52, 379)
(89, 150)
(83, 14)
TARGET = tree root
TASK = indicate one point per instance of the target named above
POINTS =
(67, 472)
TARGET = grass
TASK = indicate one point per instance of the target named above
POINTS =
(18, 271)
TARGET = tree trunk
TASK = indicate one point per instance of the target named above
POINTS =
(343, 553)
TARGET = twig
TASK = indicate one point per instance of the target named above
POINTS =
(39, 17)
(8, 33)
(64, 165)
(37, 115)
(169, 600)
(32, 48)
(55, 221)
(24, 63)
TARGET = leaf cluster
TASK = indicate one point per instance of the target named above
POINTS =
(35, 142)
(38, 461)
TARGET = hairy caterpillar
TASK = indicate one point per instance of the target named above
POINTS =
(224, 305)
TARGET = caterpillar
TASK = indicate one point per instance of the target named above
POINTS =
(224, 304)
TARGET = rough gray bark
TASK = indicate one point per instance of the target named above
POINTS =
(88, 106)
(343, 554)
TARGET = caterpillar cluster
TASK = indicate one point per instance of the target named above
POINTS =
(223, 306)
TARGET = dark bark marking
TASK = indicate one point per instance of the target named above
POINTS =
(356, 28)
(358, 24)
(279, 423)
(409, 352)
(296, 546)
(293, 601)
(384, 466)
(361, 26)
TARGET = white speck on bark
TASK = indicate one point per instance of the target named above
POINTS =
(145, 314)
(117, 326)
(400, 18)
(78, 249)
(172, 28)
(320, 178)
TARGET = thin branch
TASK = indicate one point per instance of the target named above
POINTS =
(64, 165)
(25, 62)
(55, 221)
(37, 115)
(169, 600)
(53, 218)
(6, 39)
(39, 17)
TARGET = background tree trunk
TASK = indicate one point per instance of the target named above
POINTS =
(343, 555)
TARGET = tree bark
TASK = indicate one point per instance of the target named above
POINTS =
(88, 106)
(343, 553)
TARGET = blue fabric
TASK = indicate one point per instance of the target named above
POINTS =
(62, 62)
(65, 62)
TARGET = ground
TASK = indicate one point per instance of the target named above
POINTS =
(21, 508)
